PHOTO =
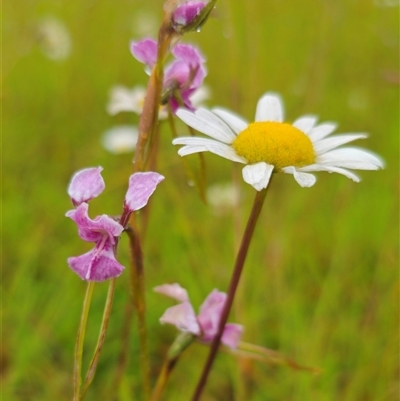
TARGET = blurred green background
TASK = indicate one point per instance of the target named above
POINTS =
(321, 280)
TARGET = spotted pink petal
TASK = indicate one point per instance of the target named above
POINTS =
(141, 187)
(93, 230)
(99, 264)
(174, 291)
(85, 185)
(145, 51)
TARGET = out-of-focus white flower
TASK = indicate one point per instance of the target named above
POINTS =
(200, 96)
(120, 139)
(387, 3)
(222, 197)
(145, 24)
(54, 39)
(125, 99)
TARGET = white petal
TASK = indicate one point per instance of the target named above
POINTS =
(120, 139)
(208, 123)
(270, 108)
(258, 175)
(234, 121)
(305, 180)
(125, 99)
(321, 131)
(351, 158)
(173, 290)
(183, 317)
(196, 144)
(305, 123)
(327, 144)
(197, 98)
(331, 169)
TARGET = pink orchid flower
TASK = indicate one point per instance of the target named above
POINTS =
(205, 324)
(100, 263)
(182, 78)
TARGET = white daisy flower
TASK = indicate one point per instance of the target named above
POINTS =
(222, 197)
(120, 139)
(125, 99)
(270, 145)
(54, 39)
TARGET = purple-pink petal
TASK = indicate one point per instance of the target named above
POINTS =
(186, 13)
(99, 264)
(141, 187)
(93, 230)
(182, 316)
(174, 291)
(232, 334)
(85, 185)
(192, 57)
(145, 51)
(210, 314)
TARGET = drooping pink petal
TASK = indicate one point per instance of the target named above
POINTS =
(186, 13)
(85, 185)
(182, 316)
(99, 264)
(141, 187)
(232, 334)
(192, 57)
(174, 291)
(177, 74)
(93, 230)
(145, 51)
(210, 314)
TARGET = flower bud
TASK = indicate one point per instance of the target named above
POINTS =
(191, 15)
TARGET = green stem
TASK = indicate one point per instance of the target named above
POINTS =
(80, 339)
(102, 335)
(139, 301)
(240, 259)
(124, 353)
(175, 351)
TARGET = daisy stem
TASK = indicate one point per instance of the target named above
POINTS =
(237, 271)
(102, 336)
(139, 301)
(80, 339)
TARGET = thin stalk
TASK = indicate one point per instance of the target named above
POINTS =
(124, 354)
(102, 335)
(80, 339)
(162, 380)
(174, 353)
(237, 271)
(139, 300)
(149, 117)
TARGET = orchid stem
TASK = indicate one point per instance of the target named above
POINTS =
(237, 271)
(80, 339)
(102, 336)
(178, 346)
(139, 301)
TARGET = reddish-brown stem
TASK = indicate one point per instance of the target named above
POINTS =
(237, 271)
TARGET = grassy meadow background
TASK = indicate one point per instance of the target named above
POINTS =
(321, 280)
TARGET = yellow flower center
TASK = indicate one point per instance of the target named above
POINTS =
(278, 144)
